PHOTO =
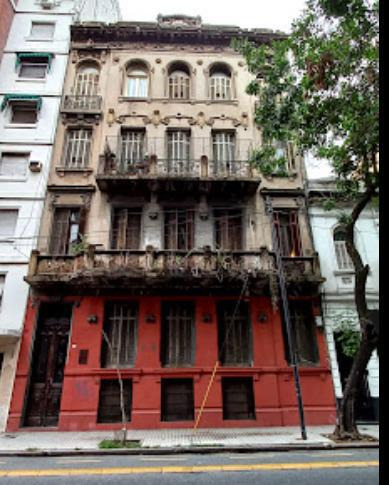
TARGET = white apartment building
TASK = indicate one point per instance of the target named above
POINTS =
(338, 290)
(32, 73)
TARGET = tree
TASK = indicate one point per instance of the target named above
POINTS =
(318, 88)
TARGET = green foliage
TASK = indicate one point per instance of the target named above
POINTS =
(80, 246)
(114, 444)
(348, 337)
(268, 163)
(319, 89)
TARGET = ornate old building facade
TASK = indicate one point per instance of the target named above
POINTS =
(155, 257)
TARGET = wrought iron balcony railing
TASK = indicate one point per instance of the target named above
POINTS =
(77, 103)
(95, 268)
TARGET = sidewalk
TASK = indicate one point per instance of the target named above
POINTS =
(177, 440)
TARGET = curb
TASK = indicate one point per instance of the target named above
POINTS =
(189, 450)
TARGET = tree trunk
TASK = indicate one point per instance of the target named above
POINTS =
(346, 425)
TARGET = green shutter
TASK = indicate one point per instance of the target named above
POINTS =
(21, 97)
(25, 55)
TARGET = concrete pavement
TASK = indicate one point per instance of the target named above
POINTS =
(177, 440)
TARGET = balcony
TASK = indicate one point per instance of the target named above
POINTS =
(89, 105)
(162, 270)
(145, 167)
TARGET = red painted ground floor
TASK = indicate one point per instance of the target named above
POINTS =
(166, 349)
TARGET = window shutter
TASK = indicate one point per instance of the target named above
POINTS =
(8, 219)
(13, 164)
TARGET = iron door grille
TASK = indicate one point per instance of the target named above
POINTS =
(132, 147)
(234, 334)
(238, 398)
(120, 328)
(77, 149)
(177, 400)
(177, 342)
(109, 410)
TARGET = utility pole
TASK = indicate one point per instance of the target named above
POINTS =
(285, 307)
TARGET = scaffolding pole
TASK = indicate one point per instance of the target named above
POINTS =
(285, 307)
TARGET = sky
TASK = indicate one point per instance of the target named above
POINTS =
(269, 14)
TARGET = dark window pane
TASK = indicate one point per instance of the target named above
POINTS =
(24, 113)
(304, 332)
(109, 401)
(179, 229)
(67, 230)
(120, 328)
(126, 225)
(228, 229)
(288, 232)
(238, 398)
(234, 334)
(177, 342)
(177, 400)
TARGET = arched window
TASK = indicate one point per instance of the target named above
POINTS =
(179, 81)
(137, 85)
(220, 83)
(342, 257)
(87, 80)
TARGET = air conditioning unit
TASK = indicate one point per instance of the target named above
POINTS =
(35, 166)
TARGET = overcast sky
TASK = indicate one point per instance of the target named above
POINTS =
(269, 14)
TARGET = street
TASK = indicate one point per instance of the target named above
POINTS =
(320, 467)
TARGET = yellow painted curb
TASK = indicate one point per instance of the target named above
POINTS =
(187, 469)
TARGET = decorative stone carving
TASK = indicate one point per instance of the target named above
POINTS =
(178, 21)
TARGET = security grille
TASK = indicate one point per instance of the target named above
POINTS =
(126, 224)
(109, 410)
(238, 398)
(224, 153)
(120, 327)
(220, 87)
(177, 400)
(179, 229)
(77, 149)
(177, 341)
(234, 334)
(178, 152)
(179, 85)
(87, 83)
(132, 144)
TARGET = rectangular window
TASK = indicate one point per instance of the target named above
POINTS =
(8, 220)
(13, 164)
(33, 67)
(220, 87)
(238, 398)
(177, 400)
(179, 229)
(42, 30)
(288, 232)
(228, 229)
(178, 152)
(284, 150)
(304, 332)
(77, 149)
(126, 226)
(234, 334)
(120, 329)
(67, 230)
(224, 157)
(177, 334)
(24, 112)
(109, 401)
(132, 149)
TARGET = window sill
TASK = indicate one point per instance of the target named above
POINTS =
(65, 170)
(30, 80)
(344, 272)
(39, 39)
(129, 98)
(15, 178)
(19, 126)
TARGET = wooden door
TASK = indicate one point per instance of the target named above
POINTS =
(48, 364)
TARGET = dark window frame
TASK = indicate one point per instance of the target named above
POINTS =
(65, 246)
(181, 223)
(230, 382)
(113, 413)
(287, 226)
(170, 411)
(232, 339)
(23, 107)
(129, 236)
(226, 234)
(182, 323)
(116, 326)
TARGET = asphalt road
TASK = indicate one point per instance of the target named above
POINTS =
(351, 467)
